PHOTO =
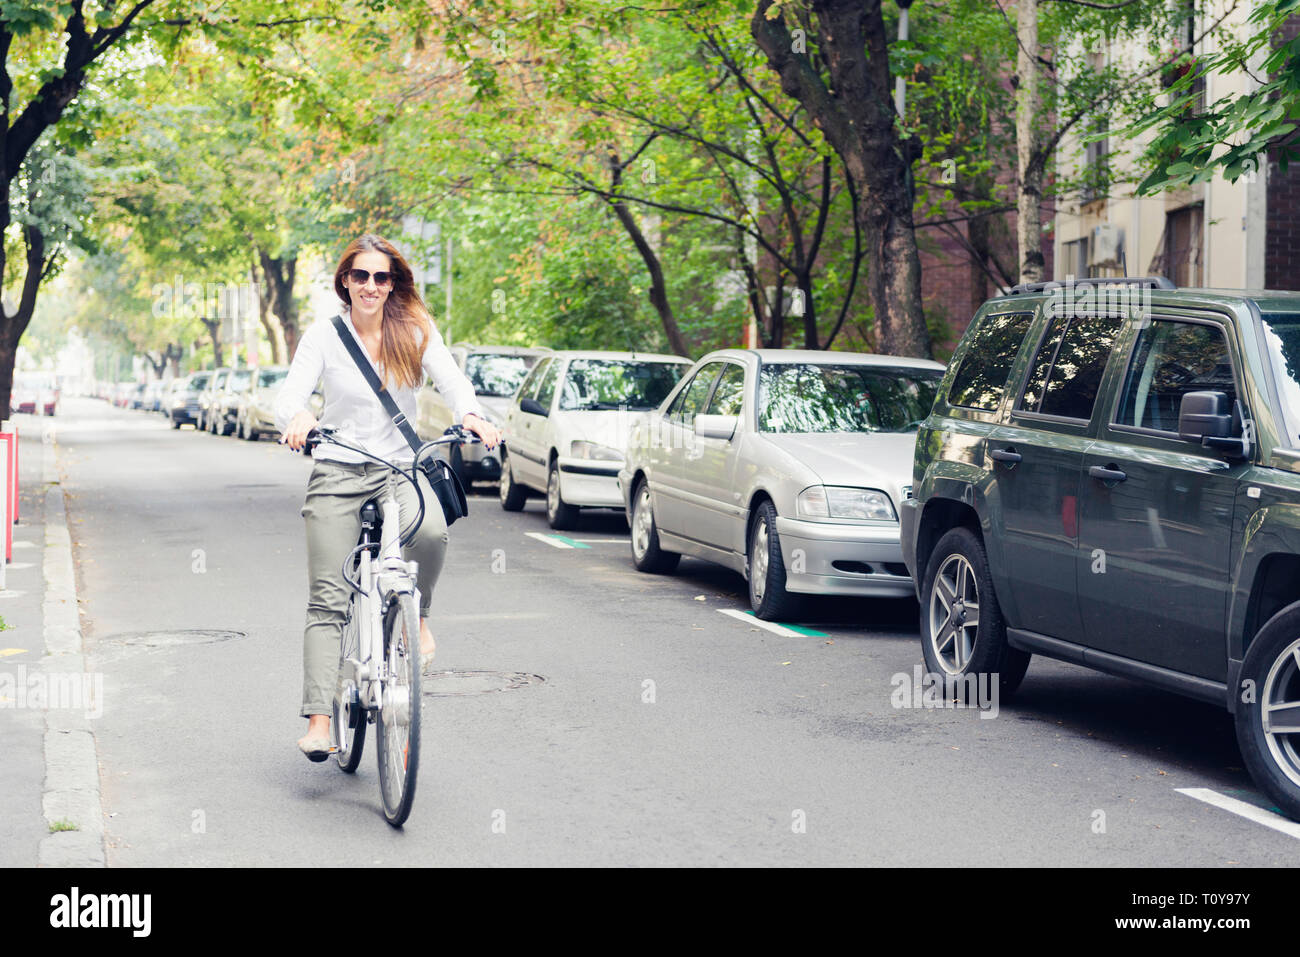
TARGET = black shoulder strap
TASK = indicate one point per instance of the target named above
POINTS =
(394, 413)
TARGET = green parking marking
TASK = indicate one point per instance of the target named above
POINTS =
(572, 543)
(806, 632)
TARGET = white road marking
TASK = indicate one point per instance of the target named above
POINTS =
(14, 566)
(755, 620)
(602, 541)
(1257, 814)
(553, 542)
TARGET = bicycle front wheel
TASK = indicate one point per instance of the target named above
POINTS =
(398, 725)
(349, 719)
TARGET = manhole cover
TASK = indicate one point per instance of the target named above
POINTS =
(444, 683)
(166, 639)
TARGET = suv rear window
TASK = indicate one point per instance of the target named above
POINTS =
(982, 377)
(1066, 374)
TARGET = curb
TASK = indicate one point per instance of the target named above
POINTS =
(71, 792)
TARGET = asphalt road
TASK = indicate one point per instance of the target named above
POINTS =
(656, 731)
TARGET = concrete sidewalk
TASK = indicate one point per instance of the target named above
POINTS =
(48, 771)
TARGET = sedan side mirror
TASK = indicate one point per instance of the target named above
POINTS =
(715, 426)
(533, 407)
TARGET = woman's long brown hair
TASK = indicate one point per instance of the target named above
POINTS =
(407, 324)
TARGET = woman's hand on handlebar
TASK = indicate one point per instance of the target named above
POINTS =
(484, 429)
(295, 433)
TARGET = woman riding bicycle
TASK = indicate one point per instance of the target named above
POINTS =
(385, 313)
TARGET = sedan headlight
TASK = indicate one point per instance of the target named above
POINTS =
(590, 450)
(855, 504)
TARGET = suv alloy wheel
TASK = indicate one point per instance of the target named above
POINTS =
(1268, 709)
(962, 631)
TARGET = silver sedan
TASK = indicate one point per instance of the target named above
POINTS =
(787, 466)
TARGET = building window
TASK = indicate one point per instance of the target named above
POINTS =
(1074, 259)
(1182, 253)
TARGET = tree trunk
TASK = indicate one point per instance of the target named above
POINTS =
(858, 120)
(977, 234)
(279, 275)
(214, 330)
(1029, 227)
(658, 288)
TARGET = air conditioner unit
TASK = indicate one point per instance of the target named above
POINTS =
(1104, 249)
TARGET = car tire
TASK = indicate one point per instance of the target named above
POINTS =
(457, 462)
(647, 556)
(768, 596)
(559, 513)
(1272, 668)
(513, 495)
(957, 571)
(176, 423)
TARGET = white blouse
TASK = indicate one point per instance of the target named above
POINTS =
(351, 406)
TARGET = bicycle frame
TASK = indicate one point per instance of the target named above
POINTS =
(380, 581)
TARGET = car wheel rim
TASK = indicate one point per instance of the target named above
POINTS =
(553, 493)
(954, 614)
(505, 480)
(1280, 711)
(759, 561)
(641, 522)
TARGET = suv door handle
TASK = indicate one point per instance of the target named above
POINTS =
(1107, 473)
(1008, 455)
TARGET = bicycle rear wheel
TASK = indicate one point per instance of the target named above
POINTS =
(398, 726)
(349, 718)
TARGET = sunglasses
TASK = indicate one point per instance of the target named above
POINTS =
(382, 279)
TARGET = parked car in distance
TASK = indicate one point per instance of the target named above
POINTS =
(1119, 487)
(186, 393)
(567, 428)
(788, 466)
(496, 373)
(34, 392)
(215, 386)
(254, 413)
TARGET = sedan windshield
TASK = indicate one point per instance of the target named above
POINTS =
(1282, 336)
(495, 374)
(269, 377)
(618, 384)
(802, 397)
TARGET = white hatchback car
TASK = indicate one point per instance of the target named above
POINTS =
(566, 429)
(496, 373)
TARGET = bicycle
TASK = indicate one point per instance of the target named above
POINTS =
(379, 650)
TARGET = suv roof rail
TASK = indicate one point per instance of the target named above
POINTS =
(1149, 282)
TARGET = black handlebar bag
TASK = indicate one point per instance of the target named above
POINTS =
(442, 477)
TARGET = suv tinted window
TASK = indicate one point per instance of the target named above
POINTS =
(982, 377)
(1066, 373)
(1171, 360)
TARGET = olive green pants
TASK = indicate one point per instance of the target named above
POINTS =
(335, 494)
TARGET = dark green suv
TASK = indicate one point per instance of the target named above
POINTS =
(1111, 476)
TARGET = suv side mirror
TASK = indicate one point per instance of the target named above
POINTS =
(1203, 415)
(532, 407)
(1207, 416)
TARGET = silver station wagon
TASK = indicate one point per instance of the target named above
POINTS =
(788, 466)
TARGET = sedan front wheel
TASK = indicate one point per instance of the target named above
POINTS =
(768, 596)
